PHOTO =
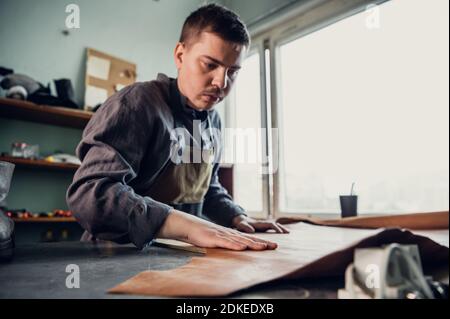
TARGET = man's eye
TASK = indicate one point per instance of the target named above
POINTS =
(210, 66)
(233, 73)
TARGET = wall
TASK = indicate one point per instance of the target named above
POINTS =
(252, 10)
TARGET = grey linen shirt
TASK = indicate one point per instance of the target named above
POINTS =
(124, 148)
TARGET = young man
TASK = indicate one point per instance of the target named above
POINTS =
(137, 180)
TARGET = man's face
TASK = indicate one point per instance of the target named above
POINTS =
(207, 69)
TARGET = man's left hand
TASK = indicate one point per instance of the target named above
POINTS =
(249, 225)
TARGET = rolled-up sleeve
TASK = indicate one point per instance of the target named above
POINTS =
(111, 150)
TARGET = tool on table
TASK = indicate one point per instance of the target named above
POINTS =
(390, 272)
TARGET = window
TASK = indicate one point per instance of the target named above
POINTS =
(368, 106)
(245, 137)
(354, 103)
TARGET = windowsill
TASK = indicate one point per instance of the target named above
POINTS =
(330, 215)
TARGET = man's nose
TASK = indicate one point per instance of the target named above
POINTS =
(220, 79)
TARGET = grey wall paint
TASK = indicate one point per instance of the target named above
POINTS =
(249, 10)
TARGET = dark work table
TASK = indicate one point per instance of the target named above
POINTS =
(38, 270)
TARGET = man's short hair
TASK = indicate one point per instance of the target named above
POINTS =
(218, 20)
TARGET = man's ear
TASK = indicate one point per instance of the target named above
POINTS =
(179, 54)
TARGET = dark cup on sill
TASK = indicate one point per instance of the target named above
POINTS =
(349, 206)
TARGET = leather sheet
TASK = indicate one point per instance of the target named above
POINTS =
(434, 220)
(308, 251)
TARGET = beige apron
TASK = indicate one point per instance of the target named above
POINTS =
(185, 182)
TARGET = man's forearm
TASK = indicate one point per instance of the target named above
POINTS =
(199, 232)
(175, 226)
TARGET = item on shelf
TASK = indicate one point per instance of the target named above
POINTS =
(64, 90)
(63, 158)
(62, 213)
(12, 83)
(5, 71)
(17, 92)
(23, 87)
(17, 149)
(25, 214)
(31, 151)
(45, 214)
(24, 150)
(19, 213)
(44, 97)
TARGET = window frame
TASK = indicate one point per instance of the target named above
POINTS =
(257, 47)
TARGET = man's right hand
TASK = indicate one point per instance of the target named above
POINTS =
(196, 231)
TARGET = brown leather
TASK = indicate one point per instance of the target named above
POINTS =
(308, 251)
(435, 220)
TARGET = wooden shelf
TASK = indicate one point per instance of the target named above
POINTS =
(45, 220)
(30, 163)
(53, 115)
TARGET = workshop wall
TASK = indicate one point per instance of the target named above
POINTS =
(252, 11)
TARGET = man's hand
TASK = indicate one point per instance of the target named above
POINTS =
(201, 233)
(249, 225)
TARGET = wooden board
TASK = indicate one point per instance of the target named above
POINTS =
(121, 73)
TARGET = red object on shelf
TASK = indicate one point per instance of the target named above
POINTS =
(62, 213)
(24, 214)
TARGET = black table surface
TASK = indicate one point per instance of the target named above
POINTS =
(38, 270)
